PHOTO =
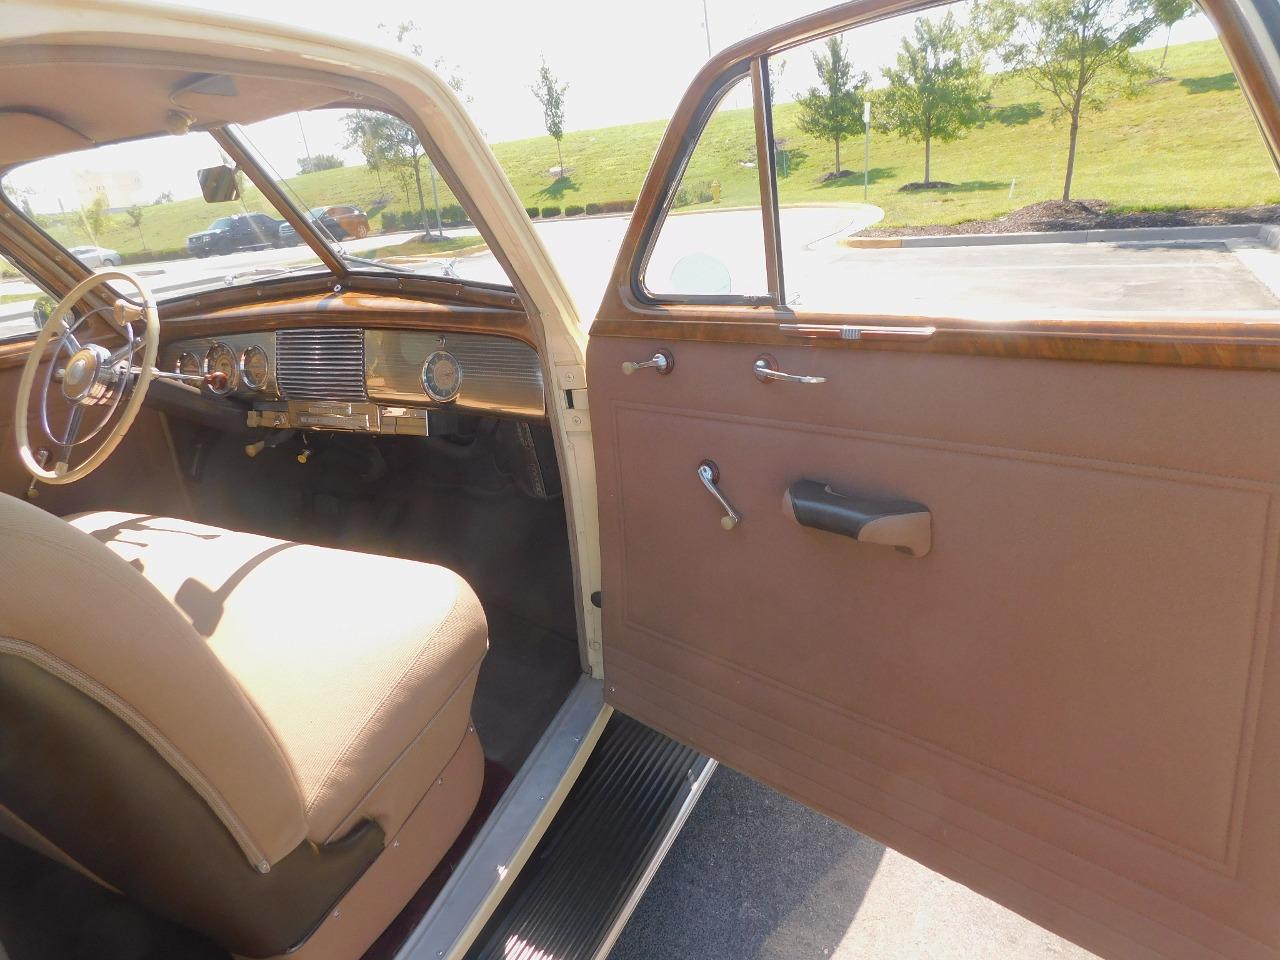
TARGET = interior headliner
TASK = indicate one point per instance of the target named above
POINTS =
(54, 106)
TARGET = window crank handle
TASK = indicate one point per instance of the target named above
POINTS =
(709, 474)
(662, 361)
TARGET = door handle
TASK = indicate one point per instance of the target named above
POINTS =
(905, 525)
(766, 370)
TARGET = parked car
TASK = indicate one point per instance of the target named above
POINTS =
(242, 231)
(338, 226)
(351, 219)
(97, 256)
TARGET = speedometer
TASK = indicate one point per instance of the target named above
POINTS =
(221, 368)
(254, 367)
(188, 364)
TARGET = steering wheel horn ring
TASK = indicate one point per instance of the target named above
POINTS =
(92, 377)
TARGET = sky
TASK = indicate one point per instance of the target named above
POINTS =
(620, 67)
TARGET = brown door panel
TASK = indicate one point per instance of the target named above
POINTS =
(1067, 704)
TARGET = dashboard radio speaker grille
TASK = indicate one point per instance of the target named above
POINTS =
(324, 364)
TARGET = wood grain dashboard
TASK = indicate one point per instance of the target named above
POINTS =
(347, 377)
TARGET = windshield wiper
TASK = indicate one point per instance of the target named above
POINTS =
(263, 273)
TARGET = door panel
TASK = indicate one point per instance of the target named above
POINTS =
(1068, 704)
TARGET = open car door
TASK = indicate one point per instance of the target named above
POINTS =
(999, 593)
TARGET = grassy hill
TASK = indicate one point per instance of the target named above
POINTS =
(1188, 141)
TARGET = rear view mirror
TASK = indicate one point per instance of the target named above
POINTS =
(218, 184)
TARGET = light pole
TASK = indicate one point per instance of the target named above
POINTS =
(303, 130)
(866, 147)
(706, 25)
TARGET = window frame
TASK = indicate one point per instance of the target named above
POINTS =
(653, 227)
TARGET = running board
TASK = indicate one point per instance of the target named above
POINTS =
(588, 872)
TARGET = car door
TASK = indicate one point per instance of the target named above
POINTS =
(1062, 687)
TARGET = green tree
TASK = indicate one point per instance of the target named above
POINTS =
(833, 109)
(550, 93)
(937, 88)
(1169, 12)
(93, 216)
(321, 161)
(1079, 52)
(388, 141)
(134, 214)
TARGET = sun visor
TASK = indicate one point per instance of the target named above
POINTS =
(28, 136)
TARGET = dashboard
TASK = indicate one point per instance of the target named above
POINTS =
(366, 380)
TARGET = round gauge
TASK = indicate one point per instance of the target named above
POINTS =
(442, 376)
(220, 364)
(253, 368)
(188, 365)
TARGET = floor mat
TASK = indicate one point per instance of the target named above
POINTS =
(524, 680)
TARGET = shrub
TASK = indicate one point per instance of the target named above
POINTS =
(550, 211)
(594, 208)
(628, 206)
(532, 212)
(390, 221)
(145, 256)
(453, 215)
(573, 210)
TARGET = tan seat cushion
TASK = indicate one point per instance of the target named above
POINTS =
(362, 666)
(79, 612)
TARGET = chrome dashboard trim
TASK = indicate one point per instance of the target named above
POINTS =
(238, 342)
(499, 374)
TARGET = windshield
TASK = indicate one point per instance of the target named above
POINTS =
(139, 204)
(369, 187)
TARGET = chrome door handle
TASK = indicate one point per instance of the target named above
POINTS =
(709, 474)
(766, 371)
(662, 361)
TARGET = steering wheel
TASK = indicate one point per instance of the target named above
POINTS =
(91, 379)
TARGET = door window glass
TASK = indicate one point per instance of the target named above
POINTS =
(19, 298)
(991, 182)
(712, 240)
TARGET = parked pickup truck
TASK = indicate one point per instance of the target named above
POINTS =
(242, 231)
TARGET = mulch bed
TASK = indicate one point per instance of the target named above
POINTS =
(1052, 215)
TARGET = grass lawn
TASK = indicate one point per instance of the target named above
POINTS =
(15, 297)
(1186, 142)
(471, 242)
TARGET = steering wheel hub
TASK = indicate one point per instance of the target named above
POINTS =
(88, 375)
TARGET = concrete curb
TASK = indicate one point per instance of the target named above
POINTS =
(1268, 234)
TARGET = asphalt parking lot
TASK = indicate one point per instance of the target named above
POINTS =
(756, 876)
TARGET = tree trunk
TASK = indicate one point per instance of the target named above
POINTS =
(1164, 56)
(142, 238)
(422, 203)
(560, 157)
(837, 156)
(927, 144)
(1071, 150)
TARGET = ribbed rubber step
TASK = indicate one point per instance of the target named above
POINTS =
(585, 875)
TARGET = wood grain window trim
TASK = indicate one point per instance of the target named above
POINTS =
(1251, 41)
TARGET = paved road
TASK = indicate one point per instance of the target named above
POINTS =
(755, 876)
(988, 282)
